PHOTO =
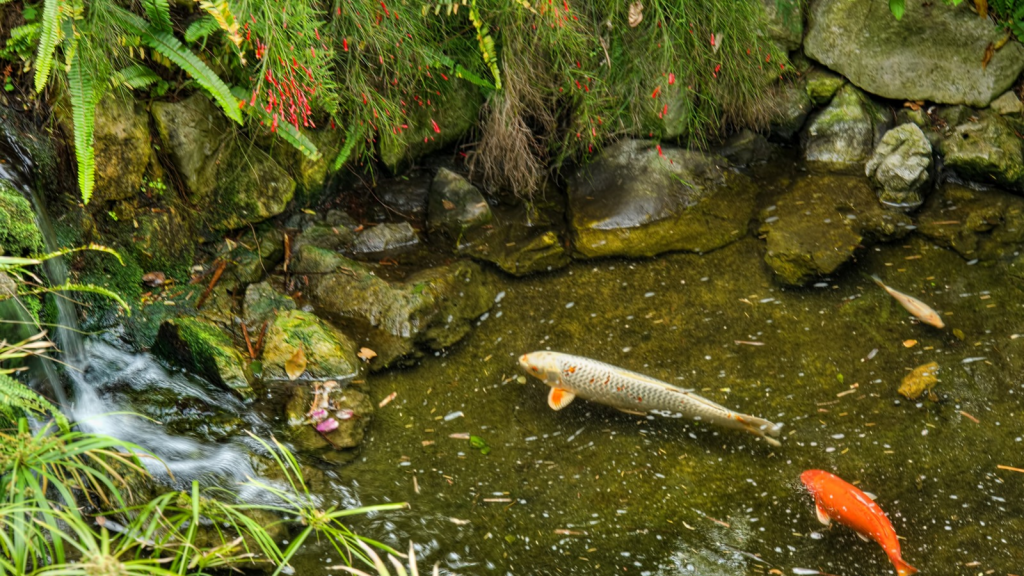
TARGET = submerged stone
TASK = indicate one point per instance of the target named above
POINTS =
(455, 206)
(430, 308)
(922, 379)
(818, 224)
(978, 224)
(841, 137)
(204, 349)
(985, 148)
(933, 53)
(383, 239)
(639, 200)
(900, 167)
(329, 353)
(348, 407)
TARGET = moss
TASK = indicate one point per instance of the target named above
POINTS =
(19, 235)
(203, 348)
(329, 353)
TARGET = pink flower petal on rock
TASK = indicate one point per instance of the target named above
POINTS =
(327, 425)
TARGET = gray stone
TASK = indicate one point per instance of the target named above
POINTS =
(232, 183)
(637, 200)
(900, 166)
(842, 136)
(456, 207)
(794, 106)
(328, 237)
(404, 196)
(1008, 103)
(785, 23)
(933, 53)
(385, 238)
(986, 149)
(262, 303)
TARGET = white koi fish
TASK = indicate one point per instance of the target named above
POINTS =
(920, 310)
(571, 376)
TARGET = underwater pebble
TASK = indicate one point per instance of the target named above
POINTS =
(570, 304)
(499, 296)
(453, 415)
(770, 219)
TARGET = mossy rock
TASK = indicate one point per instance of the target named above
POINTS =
(639, 200)
(454, 113)
(978, 224)
(794, 105)
(324, 236)
(350, 408)
(522, 239)
(842, 137)
(254, 256)
(329, 353)
(262, 303)
(165, 241)
(19, 235)
(985, 148)
(204, 349)
(822, 85)
(455, 206)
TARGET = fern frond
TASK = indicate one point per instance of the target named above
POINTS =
(166, 44)
(48, 39)
(15, 396)
(201, 28)
(68, 287)
(159, 13)
(83, 112)
(134, 76)
(437, 60)
(220, 11)
(487, 50)
(296, 138)
(350, 143)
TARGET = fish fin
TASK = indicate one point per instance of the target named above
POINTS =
(870, 495)
(633, 412)
(902, 568)
(879, 281)
(862, 537)
(559, 398)
(823, 516)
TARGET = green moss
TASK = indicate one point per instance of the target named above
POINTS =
(329, 353)
(203, 348)
(19, 235)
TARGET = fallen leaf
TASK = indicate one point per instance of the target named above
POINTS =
(366, 354)
(636, 14)
(448, 204)
(910, 343)
(915, 106)
(1002, 41)
(154, 278)
(387, 400)
(982, 7)
(308, 211)
(990, 51)
(717, 41)
(295, 365)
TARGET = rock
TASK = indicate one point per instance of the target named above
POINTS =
(19, 235)
(1006, 104)
(350, 408)
(385, 238)
(329, 353)
(822, 85)
(978, 224)
(453, 114)
(431, 308)
(745, 148)
(204, 349)
(310, 174)
(235, 184)
(816, 226)
(522, 240)
(455, 206)
(933, 53)
(405, 196)
(841, 137)
(338, 237)
(256, 254)
(785, 23)
(165, 241)
(677, 117)
(900, 167)
(794, 106)
(262, 303)
(632, 201)
(985, 148)
(122, 148)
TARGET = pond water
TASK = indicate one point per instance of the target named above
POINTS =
(593, 490)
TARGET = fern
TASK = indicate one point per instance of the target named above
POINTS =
(48, 39)
(483, 37)
(16, 398)
(299, 140)
(134, 76)
(201, 28)
(350, 143)
(226, 21)
(437, 60)
(83, 111)
(84, 288)
(159, 13)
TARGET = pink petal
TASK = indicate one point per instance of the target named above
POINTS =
(327, 425)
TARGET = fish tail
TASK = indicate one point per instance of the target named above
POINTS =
(902, 568)
(763, 428)
(878, 281)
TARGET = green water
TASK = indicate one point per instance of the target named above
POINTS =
(590, 490)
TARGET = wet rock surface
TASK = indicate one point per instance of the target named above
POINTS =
(842, 136)
(932, 53)
(456, 207)
(329, 353)
(204, 349)
(901, 167)
(819, 223)
(745, 148)
(385, 239)
(347, 406)
(637, 200)
(984, 147)
(983, 225)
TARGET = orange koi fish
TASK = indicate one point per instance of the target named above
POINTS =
(920, 310)
(837, 499)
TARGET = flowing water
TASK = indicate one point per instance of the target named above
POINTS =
(589, 490)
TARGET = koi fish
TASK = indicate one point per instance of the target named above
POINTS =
(571, 376)
(836, 499)
(920, 310)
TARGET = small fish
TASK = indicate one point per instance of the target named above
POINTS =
(570, 376)
(836, 499)
(920, 310)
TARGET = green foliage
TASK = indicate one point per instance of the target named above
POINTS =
(16, 399)
(897, 7)
(201, 28)
(49, 36)
(21, 43)
(83, 112)
(134, 76)
(159, 13)
(1011, 14)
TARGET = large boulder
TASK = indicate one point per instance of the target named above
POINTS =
(785, 23)
(977, 224)
(817, 225)
(933, 53)
(455, 206)
(122, 148)
(985, 148)
(640, 200)
(329, 353)
(19, 235)
(204, 349)
(900, 166)
(234, 183)
(431, 308)
(842, 136)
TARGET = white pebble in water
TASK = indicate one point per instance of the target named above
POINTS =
(499, 296)
(924, 432)
(453, 415)
(648, 294)
(570, 304)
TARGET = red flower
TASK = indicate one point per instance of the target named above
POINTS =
(659, 151)
(436, 129)
(671, 78)
(657, 90)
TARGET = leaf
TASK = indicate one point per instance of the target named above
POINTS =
(897, 7)
(296, 138)
(982, 7)
(159, 13)
(350, 143)
(47, 42)
(366, 354)
(201, 28)
(448, 204)
(83, 110)
(295, 365)
(636, 14)
(134, 76)
(990, 51)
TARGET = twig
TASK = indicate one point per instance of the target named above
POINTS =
(287, 252)
(248, 343)
(213, 282)
(1010, 468)
(259, 343)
